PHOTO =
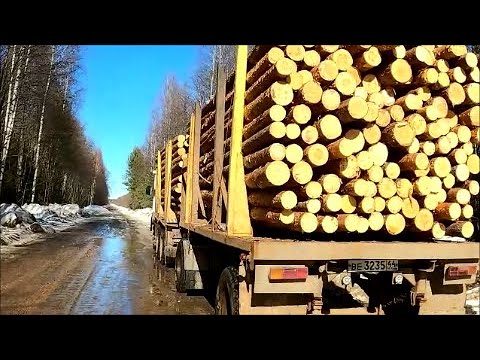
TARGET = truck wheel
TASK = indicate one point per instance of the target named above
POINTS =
(226, 301)
(180, 278)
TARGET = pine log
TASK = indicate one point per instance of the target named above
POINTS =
(448, 211)
(356, 75)
(442, 82)
(356, 187)
(363, 225)
(302, 172)
(404, 188)
(396, 73)
(311, 59)
(438, 230)
(347, 222)
(426, 77)
(311, 205)
(366, 205)
(346, 168)
(452, 139)
(325, 72)
(383, 118)
(461, 228)
(420, 57)
(376, 221)
(345, 83)
(421, 186)
(449, 181)
(342, 58)
(392, 170)
(272, 216)
(310, 93)
(461, 172)
(266, 136)
(398, 135)
(270, 58)
(295, 52)
(472, 186)
(330, 183)
(472, 94)
(278, 93)
(442, 65)
(467, 212)
(372, 112)
(279, 200)
(331, 202)
(396, 112)
(440, 167)
(311, 190)
(459, 195)
(329, 128)
(394, 224)
(301, 114)
(352, 109)
(414, 146)
(468, 148)
(361, 92)
(457, 156)
(364, 160)
(316, 155)
(394, 204)
(379, 203)
(349, 204)
(271, 153)
(474, 75)
(473, 164)
(293, 153)
(450, 51)
(375, 173)
(309, 134)
(410, 208)
(292, 131)
(436, 184)
(411, 162)
(424, 220)
(368, 59)
(428, 148)
(469, 60)
(387, 188)
(457, 74)
(379, 99)
(275, 173)
(371, 84)
(327, 224)
(306, 76)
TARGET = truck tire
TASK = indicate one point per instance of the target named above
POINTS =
(180, 276)
(226, 300)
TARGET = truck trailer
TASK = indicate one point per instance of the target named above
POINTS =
(330, 235)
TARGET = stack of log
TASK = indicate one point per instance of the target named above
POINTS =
(179, 165)
(356, 138)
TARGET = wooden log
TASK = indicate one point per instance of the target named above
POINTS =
(345, 83)
(376, 221)
(428, 112)
(311, 190)
(430, 201)
(310, 93)
(346, 168)
(467, 212)
(426, 77)
(275, 173)
(372, 112)
(311, 205)
(295, 52)
(368, 59)
(306, 76)
(356, 75)
(442, 82)
(396, 112)
(421, 186)
(375, 173)
(420, 57)
(311, 59)
(386, 188)
(410, 102)
(392, 170)
(440, 167)
(472, 94)
(394, 204)
(366, 205)
(379, 203)
(362, 225)
(371, 84)
(327, 224)
(279, 72)
(309, 134)
(404, 188)
(341, 58)
(473, 164)
(389, 96)
(424, 220)
(270, 58)
(442, 65)
(459, 195)
(441, 196)
(398, 135)
(347, 222)
(460, 228)
(279, 200)
(468, 148)
(383, 118)
(356, 49)
(272, 216)
(474, 75)
(371, 189)
(450, 51)
(328, 127)
(275, 114)
(300, 114)
(436, 184)
(397, 51)
(378, 99)
(356, 187)
(448, 211)
(449, 181)
(364, 160)
(330, 183)
(428, 148)
(469, 60)
(454, 94)
(340, 148)
(472, 186)
(461, 172)
(331, 202)
(302, 172)
(411, 162)
(452, 139)
(292, 131)
(438, 230)
(396, 73)
(349, 204)
(414, 147)
(274, 152)
(352, 109)
(316, 155)
(361, 92)
(394, 224)
(325, 72)
(457, 75)
(293, 153)
(457, 156)
(411, 208)
(278, 93)
(330, 100)
(266, 136)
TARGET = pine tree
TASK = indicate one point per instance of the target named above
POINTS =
(137, 179)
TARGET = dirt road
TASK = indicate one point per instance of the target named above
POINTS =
(102, 266)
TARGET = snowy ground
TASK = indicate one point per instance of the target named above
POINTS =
(142, 215)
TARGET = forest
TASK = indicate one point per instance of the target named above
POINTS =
(45, 154)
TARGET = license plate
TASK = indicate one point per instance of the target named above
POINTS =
(372, 265)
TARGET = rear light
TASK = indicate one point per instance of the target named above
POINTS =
(461, 271)
(288, 274)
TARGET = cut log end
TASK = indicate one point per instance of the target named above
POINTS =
(460, 228)
(394, 224)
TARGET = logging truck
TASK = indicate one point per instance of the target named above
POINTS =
(327, 179)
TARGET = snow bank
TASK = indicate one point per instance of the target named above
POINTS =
(95, 210)
(143, 215)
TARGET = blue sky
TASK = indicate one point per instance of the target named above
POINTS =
(121, 84)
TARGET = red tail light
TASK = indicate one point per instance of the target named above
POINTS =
(461, 271)
(288, 273)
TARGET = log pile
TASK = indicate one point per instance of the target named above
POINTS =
(356, 138)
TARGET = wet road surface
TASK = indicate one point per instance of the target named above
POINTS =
(102, 266)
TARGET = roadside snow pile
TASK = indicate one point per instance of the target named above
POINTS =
(95, 210)
(473, 301)
(143, 215)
